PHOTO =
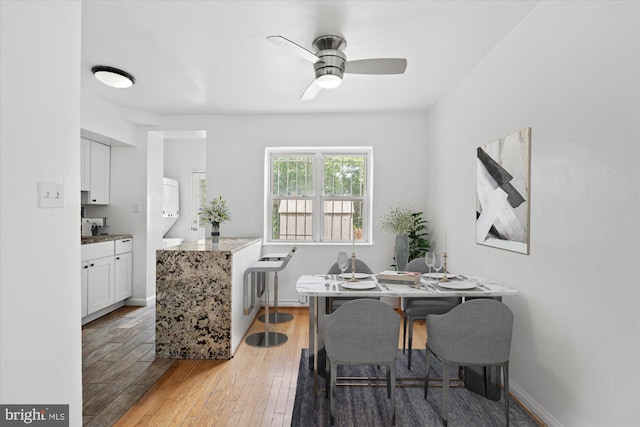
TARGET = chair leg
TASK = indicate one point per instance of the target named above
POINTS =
(404, 333)
(332, 392)
(411, 319)
(327, 369)
(388, 382)
(445, 393)
(427, 368)
(392, 380)
(505, 374)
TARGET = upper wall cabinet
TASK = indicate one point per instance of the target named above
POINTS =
(95, 172)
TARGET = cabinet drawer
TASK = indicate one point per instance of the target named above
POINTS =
(96, 250)
(124, 245)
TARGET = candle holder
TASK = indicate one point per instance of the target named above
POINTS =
(444, 269)
(353, 268)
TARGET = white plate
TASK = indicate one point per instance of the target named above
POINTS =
(359, 285)
(437, 275)
(457, 285)
(358, 275)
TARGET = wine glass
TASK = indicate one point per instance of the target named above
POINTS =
(343, 262)
(437, 263)
(428, 259)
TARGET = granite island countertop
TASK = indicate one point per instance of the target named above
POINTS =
(226, 244)
(199, 297)
(84, 240)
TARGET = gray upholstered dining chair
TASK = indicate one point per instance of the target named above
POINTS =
(418, 308)
(362, 332)
(475, 333)
(335, 302)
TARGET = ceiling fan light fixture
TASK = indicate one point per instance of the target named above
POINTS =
(329, 81)
(113, 77)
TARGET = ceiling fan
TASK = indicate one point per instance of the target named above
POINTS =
(330, 62)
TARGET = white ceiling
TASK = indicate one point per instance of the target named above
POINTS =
(201, 57)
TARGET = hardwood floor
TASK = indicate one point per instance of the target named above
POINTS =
(255, 388)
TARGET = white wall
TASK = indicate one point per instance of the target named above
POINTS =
(106, 118)
(571, 72)
(181, 158)
(235, 170)
(154, 170)
(40, 339)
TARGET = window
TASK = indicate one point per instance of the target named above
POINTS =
(318, 194)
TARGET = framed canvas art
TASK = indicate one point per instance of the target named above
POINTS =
(502, 192)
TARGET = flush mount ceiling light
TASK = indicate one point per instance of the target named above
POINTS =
(113, 77)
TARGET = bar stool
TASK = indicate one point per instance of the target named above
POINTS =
(267, 338)
(276, 317)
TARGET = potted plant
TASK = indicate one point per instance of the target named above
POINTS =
(399, 221)
(418, 236)
(215, 213)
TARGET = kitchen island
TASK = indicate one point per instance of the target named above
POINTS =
(199, 313)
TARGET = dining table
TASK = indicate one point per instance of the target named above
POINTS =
(320, 289)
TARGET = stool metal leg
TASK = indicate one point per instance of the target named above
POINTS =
(266, 338)
(276, 317)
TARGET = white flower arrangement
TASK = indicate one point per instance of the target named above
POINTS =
(398, 220)
(216, 212)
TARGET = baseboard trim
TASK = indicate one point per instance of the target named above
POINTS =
(98, 314)
(536, 410)
(141, 302)
(392, 301)
(287, 303)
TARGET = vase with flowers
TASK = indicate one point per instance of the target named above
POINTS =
(399, 221)
(215, 213)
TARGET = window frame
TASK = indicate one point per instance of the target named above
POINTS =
(318, 152)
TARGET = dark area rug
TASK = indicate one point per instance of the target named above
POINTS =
(369, 406)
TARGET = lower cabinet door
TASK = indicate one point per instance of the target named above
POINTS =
(123, 273)
(100, 284)
(84, 282)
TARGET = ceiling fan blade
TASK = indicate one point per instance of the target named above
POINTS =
(376, 66)
(294, 48)
(311, 91)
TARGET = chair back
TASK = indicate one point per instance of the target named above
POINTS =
(420, 266)
(362, 331)
(417, 265)
(290, 255)
(476, 332)
(361, 267)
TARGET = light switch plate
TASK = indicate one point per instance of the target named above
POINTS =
(50, 195)
(136, 207)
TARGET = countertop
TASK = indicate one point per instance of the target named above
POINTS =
(103, 238)
(226, 244)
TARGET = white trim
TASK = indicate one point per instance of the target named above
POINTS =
(141, 302)
(533, 406)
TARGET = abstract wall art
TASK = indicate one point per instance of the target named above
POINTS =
(503, 191)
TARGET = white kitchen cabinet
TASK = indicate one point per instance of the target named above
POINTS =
(100, 284)
(123, 269)
(84, 282)
(106, 276)
(85, 165)
(98, 172)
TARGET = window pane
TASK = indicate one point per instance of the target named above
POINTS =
(292, 176)
(202, 199)
(292, 219)
(342, 219)
(344, 175)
